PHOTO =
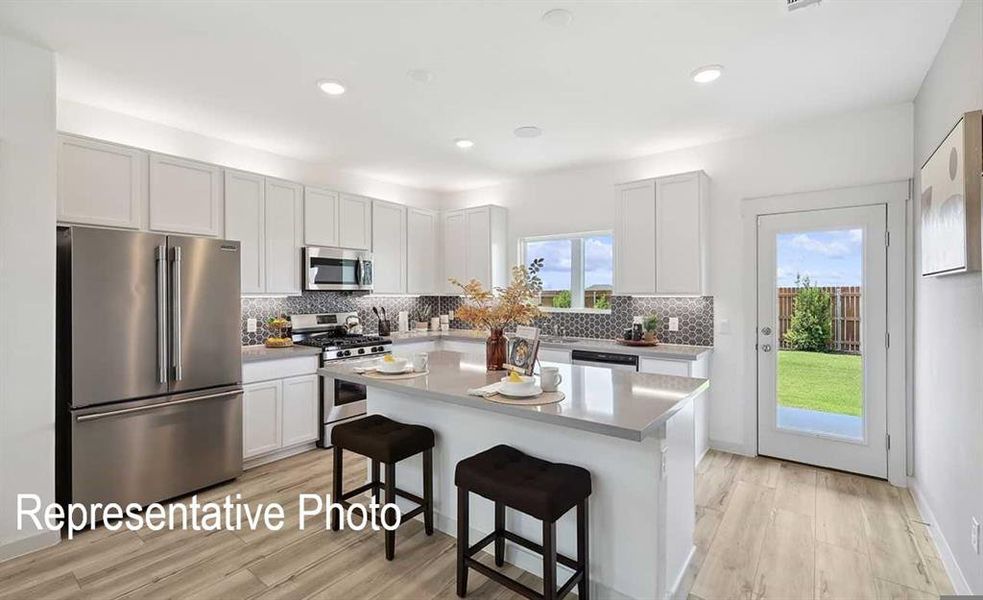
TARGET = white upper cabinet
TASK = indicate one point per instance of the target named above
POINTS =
(245, 218)
(422, 267)
(185, 196)
(100, 183)
(455, 232)
(284, 214)
(354, 222)
(320, 217)
(388, 248)
(475, 241)
(681, 221)
(635, 238)
(662, 238)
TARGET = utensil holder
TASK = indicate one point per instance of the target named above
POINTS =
(384, 327)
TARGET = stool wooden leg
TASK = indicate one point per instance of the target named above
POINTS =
(428, 491)
(336, 478)
(376, 489)
(499, 529)
(463, 528)
(583, 550)
(390, 498)
(549, 560)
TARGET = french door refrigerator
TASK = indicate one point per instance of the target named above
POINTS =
(149, 396)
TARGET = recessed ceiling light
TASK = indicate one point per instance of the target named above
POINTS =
(558, 17)
(420, 75)
(331, 87)
(707, 73)
(528, 131)
(463, 144)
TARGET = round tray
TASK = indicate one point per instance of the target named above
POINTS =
(637, 343)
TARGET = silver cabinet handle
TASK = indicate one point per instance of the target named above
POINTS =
(127, 411)
(161, 256)
(176, 325)
(766, 347)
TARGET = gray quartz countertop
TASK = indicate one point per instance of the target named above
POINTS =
(612, 402)
(258, 353)
(669, 351)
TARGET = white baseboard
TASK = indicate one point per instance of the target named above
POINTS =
(674, 592)
(941, 544)
(277, 455)
(731, 447)
(23, 546)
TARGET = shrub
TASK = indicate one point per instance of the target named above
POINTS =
(811, 328)
(562, 299)
(602, 302)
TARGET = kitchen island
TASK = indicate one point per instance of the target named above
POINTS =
(634, 432)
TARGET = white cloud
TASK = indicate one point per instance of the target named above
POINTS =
(831, 248)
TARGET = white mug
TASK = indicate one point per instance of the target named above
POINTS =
(420, 362)
(550, 378)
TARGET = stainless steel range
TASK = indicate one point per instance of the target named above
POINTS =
(332, 333)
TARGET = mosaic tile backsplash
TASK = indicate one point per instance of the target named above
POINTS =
(695, 314)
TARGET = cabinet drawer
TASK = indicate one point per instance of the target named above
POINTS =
(278, 368)
(555, 356)
(662, 366)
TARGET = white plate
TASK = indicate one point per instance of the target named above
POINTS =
(533, 392)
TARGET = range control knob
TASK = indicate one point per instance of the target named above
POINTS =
(347, 353)
(361, 350)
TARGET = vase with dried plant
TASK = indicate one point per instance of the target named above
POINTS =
(501, 307)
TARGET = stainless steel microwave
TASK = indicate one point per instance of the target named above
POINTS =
(336, 269)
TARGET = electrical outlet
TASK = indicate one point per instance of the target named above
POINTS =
(450, 315)
(974, 535)
(673, 323)
(251, 325)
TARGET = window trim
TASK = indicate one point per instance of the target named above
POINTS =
(577, 290)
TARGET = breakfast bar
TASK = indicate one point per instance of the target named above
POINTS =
(634, 432)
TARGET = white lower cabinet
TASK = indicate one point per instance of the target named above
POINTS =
(261, 431)
(687, 368)
(554, 356)
(279, 414)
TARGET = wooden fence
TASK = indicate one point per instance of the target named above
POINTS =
(845, 308)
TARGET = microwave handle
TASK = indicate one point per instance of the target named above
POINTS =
(358, 271)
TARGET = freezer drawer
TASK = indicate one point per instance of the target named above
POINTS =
(149, 450)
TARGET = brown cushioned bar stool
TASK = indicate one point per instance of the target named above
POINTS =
(383, 440)
(540, 489)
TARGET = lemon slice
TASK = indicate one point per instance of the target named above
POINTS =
(388, 358)
(514, 377)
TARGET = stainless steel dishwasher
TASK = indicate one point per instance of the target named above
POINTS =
(609, 360)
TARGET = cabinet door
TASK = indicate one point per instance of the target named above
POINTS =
(661, 366)
(455, 231)
(388, 248)
(283, 215)
(554, 356)
(299, 414)
(354, 222)
(185, 196)
(320, 217)
(261, 431)
(678, 256)
(100, 183)
(479, 246)
(421, 251)
(245, 217)
(635, 239)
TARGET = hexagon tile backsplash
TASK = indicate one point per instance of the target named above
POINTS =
(695, 314)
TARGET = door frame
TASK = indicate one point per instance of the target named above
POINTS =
(897, 198)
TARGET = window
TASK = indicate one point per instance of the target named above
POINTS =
(578, 269)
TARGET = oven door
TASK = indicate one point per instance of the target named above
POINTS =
(334, 269)
(340, 401)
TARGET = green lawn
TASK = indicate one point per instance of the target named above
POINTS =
(823, 382)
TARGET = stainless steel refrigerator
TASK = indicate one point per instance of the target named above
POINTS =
(149, 396)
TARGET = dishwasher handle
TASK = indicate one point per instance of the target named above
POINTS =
(611, 358)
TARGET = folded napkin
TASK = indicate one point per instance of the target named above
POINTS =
(361, 370)
(485, 392)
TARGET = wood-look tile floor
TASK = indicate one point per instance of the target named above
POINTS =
(771, 529)
(764, 529)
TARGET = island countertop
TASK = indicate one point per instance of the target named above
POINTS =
(616, 403)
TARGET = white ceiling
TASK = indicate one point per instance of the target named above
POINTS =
(613, 84)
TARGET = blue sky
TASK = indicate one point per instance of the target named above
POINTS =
(598, 261)
(829, 258)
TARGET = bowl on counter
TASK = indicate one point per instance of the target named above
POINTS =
(396, 365)
(526, 386)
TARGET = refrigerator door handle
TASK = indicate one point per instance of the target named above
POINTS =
(176, 308)
(125, 411)
(161, 256)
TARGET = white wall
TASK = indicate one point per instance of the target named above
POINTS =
(853, 149)
(27, 286)
(82, 119)
(948, 381)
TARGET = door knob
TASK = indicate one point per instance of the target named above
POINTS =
(766, 331)
(766, 347)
